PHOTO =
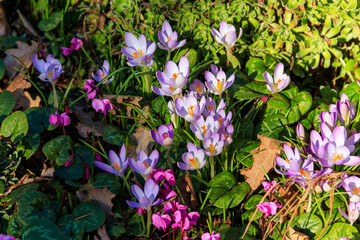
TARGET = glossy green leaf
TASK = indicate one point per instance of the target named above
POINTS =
(18, 193)
(50, 23)
(252, 202)
(308, 223)
(15, 125)
(255, 68)
(42, 230)
(303, 100)
(108, 180)
(245, 88)
(234, 61)
(294, 115)
(113, 135)
(38, 119)
(278, 101)
(58, 149)
(91, 215)
(249, 214)
(7, 102)
(338, 230)
(226, 192)
(73, 230)
(29, 145)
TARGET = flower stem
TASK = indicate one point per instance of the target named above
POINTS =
(199, 173)
(56, 104)
(168, 56)
(148, 223)
(147, 85)
(169, 159)
(212, 170)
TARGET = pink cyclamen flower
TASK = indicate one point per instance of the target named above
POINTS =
(280, 80)
(102, 105)
(62, 120)
(212, 236)
(6, 237)
(75, 45)
(90, 88)
(267, 185)
(268, 208)
(161, 221)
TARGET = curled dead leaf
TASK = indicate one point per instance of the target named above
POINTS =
(102, 234)
(86, 124)
(19, 82)
(24, 100)
(188, 193)
(47, 172)
(4, 25)
(264, 161)
(143, 140)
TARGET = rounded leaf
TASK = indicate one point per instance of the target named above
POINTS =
(91, 215)
(15, 125)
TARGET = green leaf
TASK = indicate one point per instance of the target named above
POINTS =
(58, 149)
(74, 171)
(2, 187)
(74, 230)
(91, 215)
(110, 181)
(191, 54)
(279, 102)
(338, 202)
(14, 228)
(234, 61)
(249, 213)
(308, 223)
(352, 90)
(255, 68)
(7, 102)
(113, 135)
(294, 115)
(42, 230)
(34, 206)
(29, 145)
(245, 88)
(291, 91)
(38, 118)
(252, 202)
(303, 100)
(50, 23)
(338, 230)
(18, 193)
(226, 192)
(2, 69)
(272, 122)
(15, 125)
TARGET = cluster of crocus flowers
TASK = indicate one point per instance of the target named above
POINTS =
(75, 46)
(102, 73)
(280, 81)
(216, 80)
(49, 70)
(226, 35)
(139, 51)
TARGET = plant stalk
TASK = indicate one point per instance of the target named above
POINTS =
(56, 104)
(169, 162)
(212, 170)
(148, 223)
(147, 84)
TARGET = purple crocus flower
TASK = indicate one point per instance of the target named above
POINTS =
(75, 45)
(216, 80)
(102, 105)
(90, 88)
(174, 79)
(49, 70)
(354, 212)
(212, 236)
(280, 80)
(198, 88)
(189, 108)
(204, 129)
(119, 162)
(223, 119)
(329, 118)
(164, 136)
(62, 120)
(226, 134)
(145, 164)
(345, 110)
(102, 73)
(352, 187)
(268, 208)
(213, 145)
(210, 107)
(146, 198)
(193, 159)
(300, 131)
(227, 35)
(6, 237)
(168, 38)
(139, 51)
(161, 221)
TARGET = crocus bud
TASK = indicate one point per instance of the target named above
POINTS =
(300, 132)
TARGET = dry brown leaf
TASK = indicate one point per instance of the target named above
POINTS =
(134, 100)
(27, 24)
(187, 191)
(24, 52)
(18, 82)
(23, 181)
(143, 140)
(47, 172)
(86, 124)
(102, 234)
(4, 25)
(294, 235)
(101, 196)
(264, 161)
(23, 99)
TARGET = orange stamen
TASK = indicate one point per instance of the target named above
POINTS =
(165, 135)
(175, 75)
(146, 164)
(338, 157)
(171, 88)
(286, 160)
(279, 81)
(168, 39)
(355, 191)
(204, 128)
(191, 110)
(102, 75)
(219, 84)
(220, 121)
(192, 160)
(211, 108)
(212, 148)
(117, 167)
(50, 74)
(198, 89)
(305, 174)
